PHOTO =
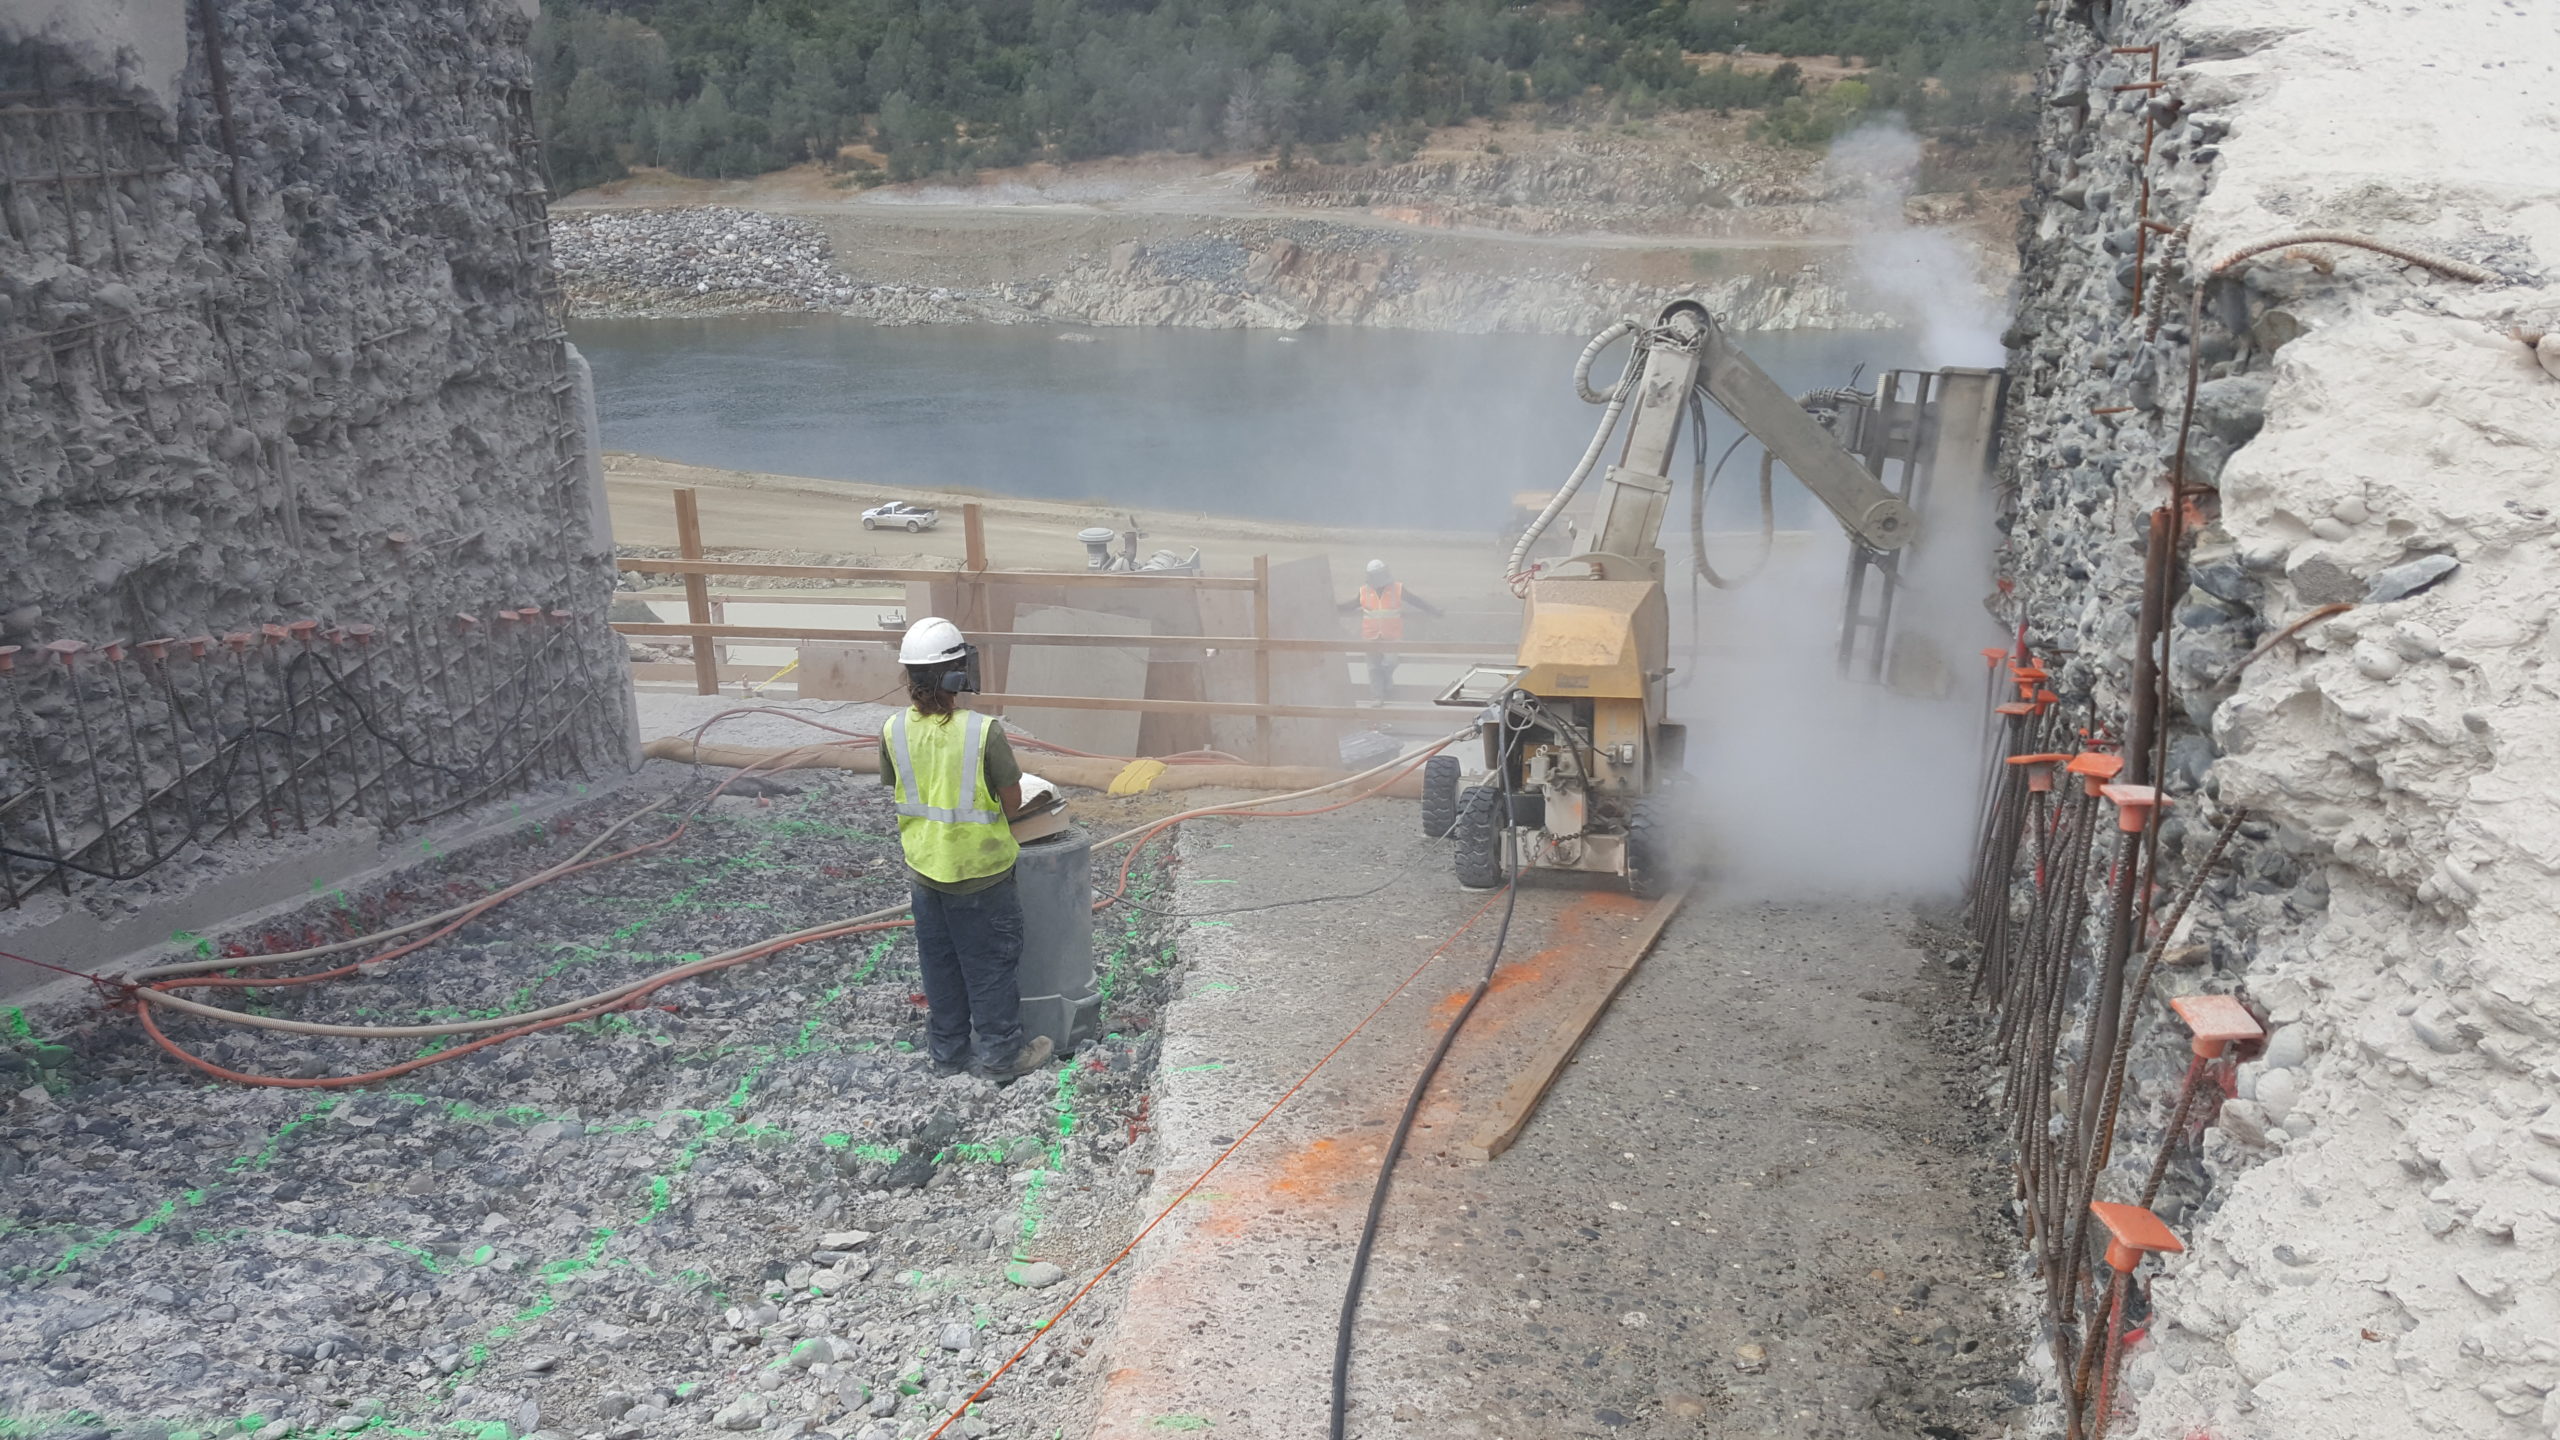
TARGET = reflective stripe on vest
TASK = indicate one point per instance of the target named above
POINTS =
(950, 822)
(1382, 612)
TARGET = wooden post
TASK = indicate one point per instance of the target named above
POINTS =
(1262, 657)
(973, 563)
(697, 594)
(973, 591)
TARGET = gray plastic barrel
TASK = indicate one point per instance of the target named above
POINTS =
(1054, 877)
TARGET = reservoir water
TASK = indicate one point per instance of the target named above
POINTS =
(1338, 426)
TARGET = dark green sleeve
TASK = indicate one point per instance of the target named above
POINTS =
(888, 767)
(1002, 768)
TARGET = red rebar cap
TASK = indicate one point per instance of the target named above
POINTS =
(274, 634)
(2132, 1232)
(303, 630)
(8, 659)
(237, 641)
(465, 621)
(115, 651)
(2216, 1021)
(361, 634)
(157, 649)
(1994, 654)
(197, 645)
(2134, 804)
(2014, 707)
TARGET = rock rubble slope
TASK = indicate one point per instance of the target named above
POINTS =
(748, 1206)
(2374, 1226)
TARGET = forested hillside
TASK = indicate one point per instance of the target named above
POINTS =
(735, 87)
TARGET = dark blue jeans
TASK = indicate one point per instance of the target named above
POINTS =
(969, 947)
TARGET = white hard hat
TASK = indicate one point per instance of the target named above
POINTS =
(931, 641)
(1377, 567)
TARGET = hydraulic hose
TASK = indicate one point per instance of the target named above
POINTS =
(1702, 484)
(1616, 400)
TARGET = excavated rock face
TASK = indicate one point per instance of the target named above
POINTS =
(278, 330)
(2373, 1220)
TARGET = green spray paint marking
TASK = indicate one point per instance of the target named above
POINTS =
(275, 1142)
(1194, 1069)
(193, 941)
(168, 1211)
(1183, 1422)
(17, 1024)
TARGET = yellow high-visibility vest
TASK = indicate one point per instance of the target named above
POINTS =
(950, 823)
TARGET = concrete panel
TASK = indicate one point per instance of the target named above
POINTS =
(850, 670)
(1080, 670)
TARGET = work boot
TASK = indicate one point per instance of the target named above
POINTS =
(1034, 1053)
(945, 1069)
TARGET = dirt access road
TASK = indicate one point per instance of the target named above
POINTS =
(1756, 1205)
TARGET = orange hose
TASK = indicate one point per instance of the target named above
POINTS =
(624, 1002)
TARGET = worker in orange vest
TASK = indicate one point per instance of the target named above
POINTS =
(1381, 605)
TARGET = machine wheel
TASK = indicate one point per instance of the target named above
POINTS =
(1439, 797)
(1661, 843)
(914, 525)
(870, 524)
(1478, 857)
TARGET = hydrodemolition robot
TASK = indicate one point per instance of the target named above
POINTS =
(1586, 765)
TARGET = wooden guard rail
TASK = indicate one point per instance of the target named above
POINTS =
(975, 579)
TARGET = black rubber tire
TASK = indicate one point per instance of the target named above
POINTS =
(1439, 797)
(914, 525)
(1477, 859)
(870, 524)
(1661, 843)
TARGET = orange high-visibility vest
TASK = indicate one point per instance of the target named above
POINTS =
(1382, 612)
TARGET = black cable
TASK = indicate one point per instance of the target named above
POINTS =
(1413, 1107)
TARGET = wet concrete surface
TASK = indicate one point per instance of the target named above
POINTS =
(1758, 1203)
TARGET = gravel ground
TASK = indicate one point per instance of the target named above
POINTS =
(1759, 1203)
(751, 1208)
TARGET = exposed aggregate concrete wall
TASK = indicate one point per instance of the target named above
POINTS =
(2374, 1223)
(279, 331)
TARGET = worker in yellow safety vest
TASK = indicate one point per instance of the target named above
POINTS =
(1381, 605)
(956, 782)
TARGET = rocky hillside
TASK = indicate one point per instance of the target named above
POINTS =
(1258, 274)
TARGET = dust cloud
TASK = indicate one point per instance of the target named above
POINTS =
(1818, 784)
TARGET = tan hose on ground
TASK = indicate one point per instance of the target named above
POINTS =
(1079, 771)
(150, 996)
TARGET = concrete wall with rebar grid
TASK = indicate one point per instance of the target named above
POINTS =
(2283, 419)
(280, 346)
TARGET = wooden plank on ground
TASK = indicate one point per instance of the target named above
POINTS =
(1538, 1074)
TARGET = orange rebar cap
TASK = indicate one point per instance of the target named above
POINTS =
(2095, 768)
(2216, 1021)
(2132, 1232)
(2039, 769)
(2134, 804)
